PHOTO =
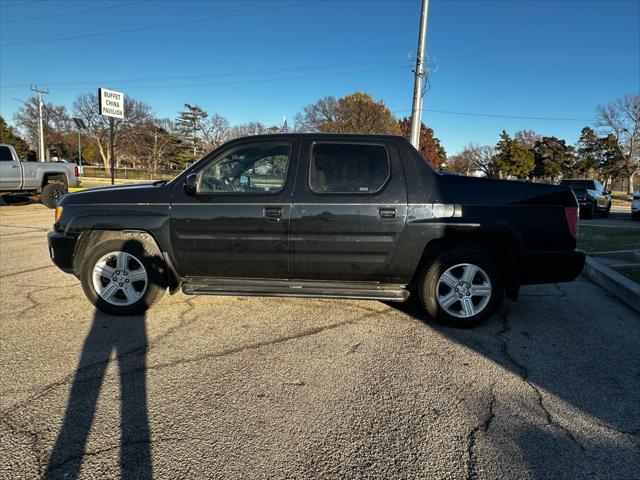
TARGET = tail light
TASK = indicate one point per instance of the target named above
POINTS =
(572, 220)
(76, 172)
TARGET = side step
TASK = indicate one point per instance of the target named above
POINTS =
(294, 288)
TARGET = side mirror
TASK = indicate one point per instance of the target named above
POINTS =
(191, 184)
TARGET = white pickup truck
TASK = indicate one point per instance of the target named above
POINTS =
(46, 180)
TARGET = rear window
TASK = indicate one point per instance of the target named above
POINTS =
(348, 168)
(578, 184)
(5, 154)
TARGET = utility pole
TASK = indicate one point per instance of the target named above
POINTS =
(419, 74)
(41, 128)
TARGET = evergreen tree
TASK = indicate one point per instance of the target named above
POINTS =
(189, 124)
(513, 159)
(553, 158)
(597, 156)
(8, 136)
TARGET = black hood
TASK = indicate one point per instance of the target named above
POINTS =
(132, 193)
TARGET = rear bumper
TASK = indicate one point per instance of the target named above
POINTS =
(550, 267)
(61, 248)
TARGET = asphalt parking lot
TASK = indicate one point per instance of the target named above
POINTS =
(231, 387)
(618, 217)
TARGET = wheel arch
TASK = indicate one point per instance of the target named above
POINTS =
(57, 177)
(500, 246)
(94, 236)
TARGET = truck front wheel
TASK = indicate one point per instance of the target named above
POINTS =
(123, 276)
(51, 193)
(461, 287)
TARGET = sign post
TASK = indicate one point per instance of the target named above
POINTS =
(112, 106)
(80, 125)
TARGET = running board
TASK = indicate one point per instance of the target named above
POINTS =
(292, 288)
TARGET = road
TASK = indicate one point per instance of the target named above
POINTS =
(226, 387)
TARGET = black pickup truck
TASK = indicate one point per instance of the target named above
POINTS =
(319, 215)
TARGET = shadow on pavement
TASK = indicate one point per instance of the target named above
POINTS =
(127, 338)
(578, 349)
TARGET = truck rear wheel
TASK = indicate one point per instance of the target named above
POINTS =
(461, 287)
(51, 193)
(123, 276)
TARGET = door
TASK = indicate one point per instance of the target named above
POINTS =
(349, 209)
(237, 223)
(10, 171)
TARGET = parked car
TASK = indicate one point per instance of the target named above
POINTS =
(635, 206)
(47, 181)
(343, 216)
(592, 196)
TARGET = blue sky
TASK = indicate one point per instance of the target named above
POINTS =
(260, 60)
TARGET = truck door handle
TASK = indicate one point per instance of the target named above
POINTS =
(273, 213)
(14, 166)
(387, 212)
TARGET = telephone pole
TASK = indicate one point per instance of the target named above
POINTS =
(40, 127)
(419, 74)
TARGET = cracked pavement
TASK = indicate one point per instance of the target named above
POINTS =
(239, 387)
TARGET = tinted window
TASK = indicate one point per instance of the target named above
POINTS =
(247, 169)
(348, 168)
(5, 154)
(578, 184)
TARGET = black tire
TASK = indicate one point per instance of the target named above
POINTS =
(146, 253)
(635, 216)
(605, 214)
(51, 193)
(429, 289)
(589, 211)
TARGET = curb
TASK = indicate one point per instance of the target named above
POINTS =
(620, 286)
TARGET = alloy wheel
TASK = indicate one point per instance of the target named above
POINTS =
(120, 278)
(463, 290)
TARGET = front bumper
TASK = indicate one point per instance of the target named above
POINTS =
(61, 249)
(550, 266)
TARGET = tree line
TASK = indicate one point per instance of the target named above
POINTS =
(610, 153)
(146, 141)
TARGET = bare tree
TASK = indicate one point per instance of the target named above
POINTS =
(460, 164)
(354, 113)
(246, 129)
(621, 118)
(527, 138)
(313, 117)
(56, 125)
(214, 129)
(137, 117)
(479, 158)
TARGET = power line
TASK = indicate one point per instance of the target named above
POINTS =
(240, 82)
(77, 12)
(499, 115)
(153, 27)
(274, 70)
(17, 4)
(259, 80)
